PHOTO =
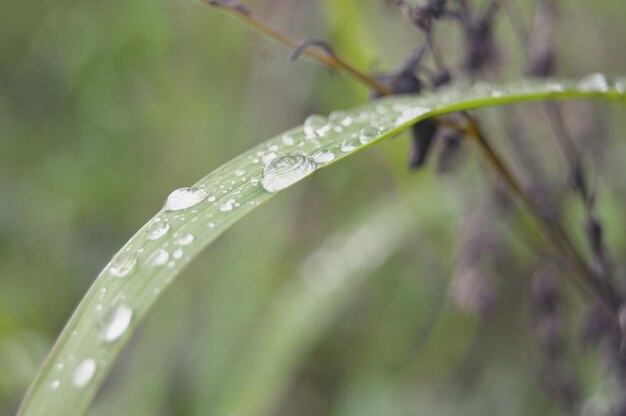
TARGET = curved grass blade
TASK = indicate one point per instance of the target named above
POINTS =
(130, 284)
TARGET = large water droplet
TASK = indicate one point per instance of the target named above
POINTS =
(123, 264)
(594, 82)
(157, 229)
(285, 171)
(184, 198)
(84, 372)
(118, 323)
(368, 134)
(323, 156)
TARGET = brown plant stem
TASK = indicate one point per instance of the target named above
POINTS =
(330, 60)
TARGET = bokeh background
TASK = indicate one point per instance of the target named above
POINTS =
(106, 106)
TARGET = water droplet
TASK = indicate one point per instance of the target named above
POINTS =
(55, 384)
(594, 82)
(118, 322)
(337, 117)
(285, 171)
(268, 157)
(211, 198)
(273, 148)
(185, 240)
(178, 253)
(368, 134)
(314, 125)
(240, 172)
(226, 206)
(123, 264)
(555, 87)
(410, 114)
(288, 140)
(159, 258)
(323, 156)
(157, 229)
(84, 372)
(254, 181)
(348, 145)
(184, 198)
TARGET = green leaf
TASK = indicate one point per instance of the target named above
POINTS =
(129, 285)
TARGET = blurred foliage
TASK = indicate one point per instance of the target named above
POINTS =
(107, 106)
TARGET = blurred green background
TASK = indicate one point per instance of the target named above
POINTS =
(105, 107)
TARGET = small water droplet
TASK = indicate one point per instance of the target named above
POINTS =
(254, 181)
(123, 264)
(368, 134)
(157, 229)
(59, 366)
(118, 323)
(240, 172)
(285, 171)
(268, 157)
(288, 140)
(211, 198)
(348, 145)
(178, 253)
(594, 82)
(84, 372)
(55, 384)
(184, 198)
(337, 117)
(323, 156)
(314, 125)
(273, 148)
(410, 114)
(226, 206)
(159, 258)
(185, 240)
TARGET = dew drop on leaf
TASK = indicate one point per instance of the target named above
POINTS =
(117, 323)
(157, 229)
(123, 264)
(285, 171)
(314, 125)
(184, 198)
(368, 134)
(323, 156)
(348, 145)
(268, 157)
(84, 372)
(159, 258)
(226, 206)
(288, 140)
(410, 114)
(185, 240)
(594, 82)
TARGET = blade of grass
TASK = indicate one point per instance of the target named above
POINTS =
(130, 284)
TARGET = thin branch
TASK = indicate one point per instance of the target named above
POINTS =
(327, 58)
